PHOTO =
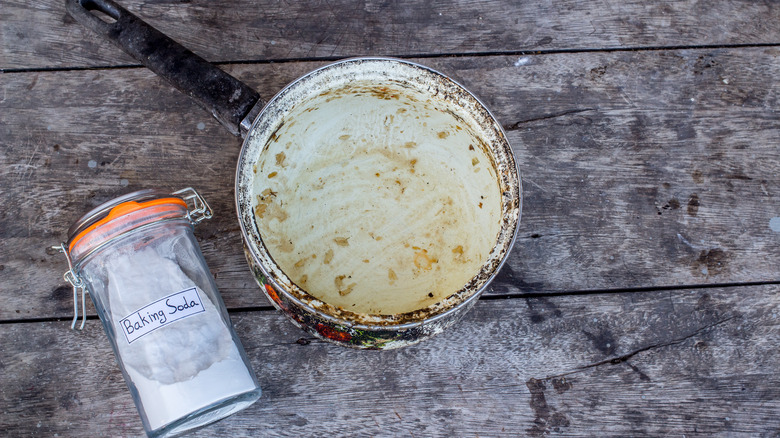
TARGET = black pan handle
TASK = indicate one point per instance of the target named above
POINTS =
(224, 96)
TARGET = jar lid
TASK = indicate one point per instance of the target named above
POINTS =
(129, 212)
(121, 215)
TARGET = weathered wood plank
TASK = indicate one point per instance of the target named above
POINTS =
(640, 169)
(41, 34)
(659, 363)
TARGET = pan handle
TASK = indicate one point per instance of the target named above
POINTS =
(224, 96)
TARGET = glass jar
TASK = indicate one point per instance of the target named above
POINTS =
(138, 259)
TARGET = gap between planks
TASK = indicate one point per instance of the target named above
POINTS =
(514, 296)
(420, 56)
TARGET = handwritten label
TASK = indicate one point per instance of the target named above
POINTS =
(161, 313)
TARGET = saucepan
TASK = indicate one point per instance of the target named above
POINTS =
(377, 197)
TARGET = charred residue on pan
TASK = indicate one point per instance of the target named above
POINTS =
(274, 137)
(384, 92)
(449, 303)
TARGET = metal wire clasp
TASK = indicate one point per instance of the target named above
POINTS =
(200, 209)
(71, 277)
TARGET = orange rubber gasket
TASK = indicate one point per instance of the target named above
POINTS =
(124, 209)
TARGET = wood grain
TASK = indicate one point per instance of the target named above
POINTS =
(40, 35)
(687, 362)
(640, 169)
(646, 135)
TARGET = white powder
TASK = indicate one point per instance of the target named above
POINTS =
(184, 365)
(165, 403)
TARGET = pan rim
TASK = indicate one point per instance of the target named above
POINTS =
(511, 203)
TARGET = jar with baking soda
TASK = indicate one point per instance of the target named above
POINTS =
(139, 261)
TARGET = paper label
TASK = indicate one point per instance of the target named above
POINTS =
(160, 313)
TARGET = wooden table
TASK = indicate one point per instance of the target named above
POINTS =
(642, 296)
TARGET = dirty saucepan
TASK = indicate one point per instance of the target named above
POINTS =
(377, 197)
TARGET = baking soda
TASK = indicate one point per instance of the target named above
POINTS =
(176, 348)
